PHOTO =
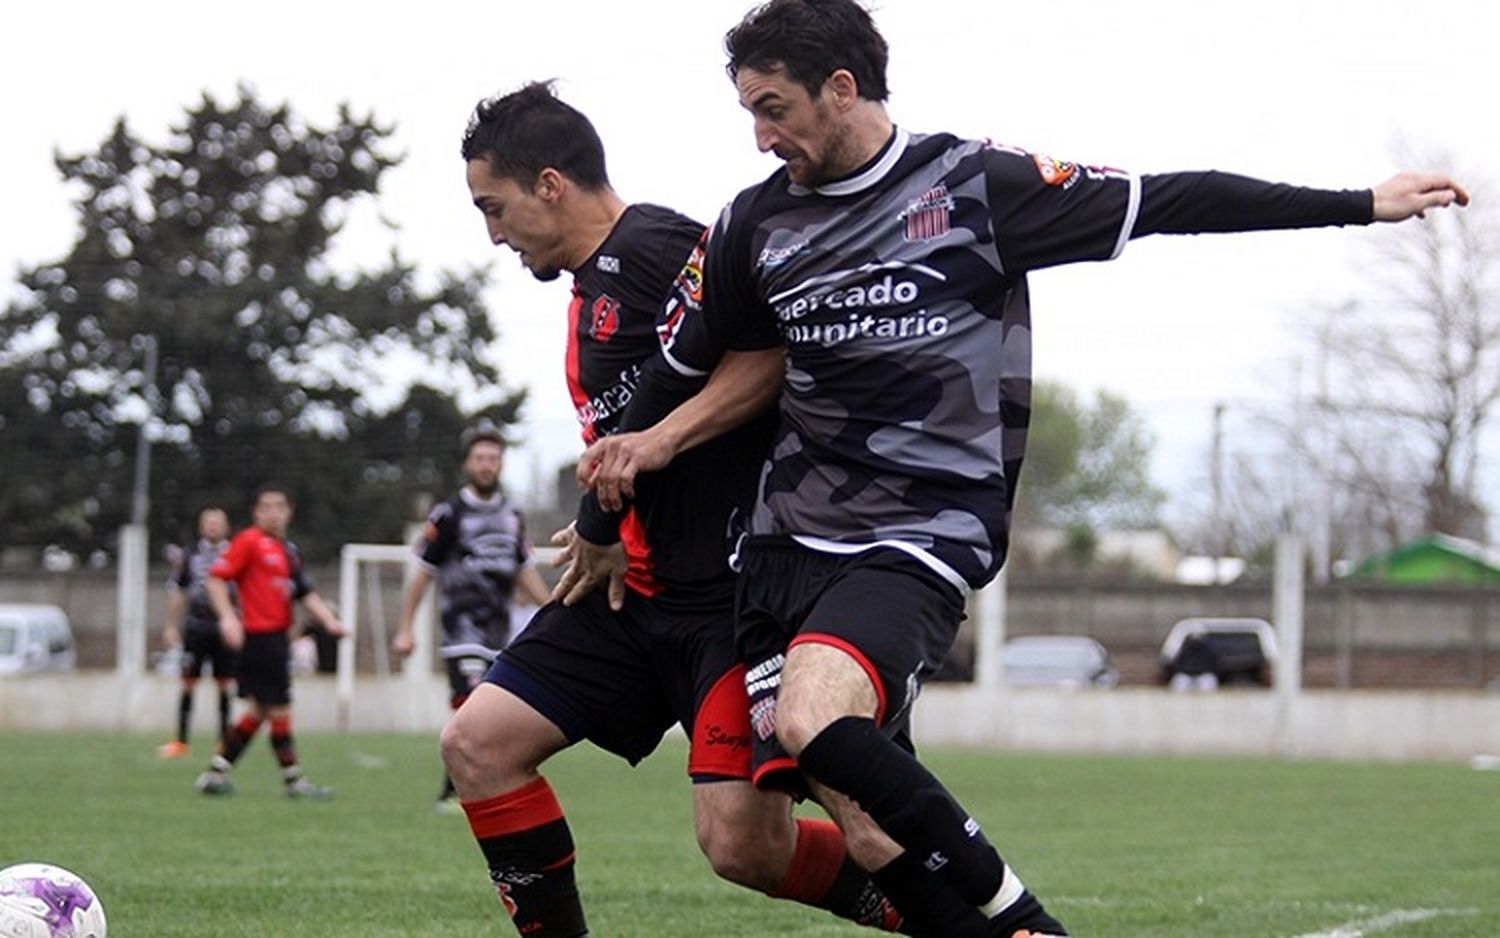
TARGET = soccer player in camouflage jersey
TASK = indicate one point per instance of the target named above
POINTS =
(475, 544)
(620, 671)
(891, 266)
(192, 626)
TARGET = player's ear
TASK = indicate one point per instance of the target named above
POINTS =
(842, 87)
(549, 184)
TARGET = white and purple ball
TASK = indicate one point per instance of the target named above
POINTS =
(39, 900)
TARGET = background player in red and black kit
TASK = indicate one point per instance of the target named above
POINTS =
(621, 677)
(891, 267)
(192, 625)
(475, 544)
(267, 571)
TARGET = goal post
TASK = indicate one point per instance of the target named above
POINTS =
(357, 559)
(410, 694)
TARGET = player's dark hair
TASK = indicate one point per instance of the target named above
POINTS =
(273, 488)
(811, 39)
(205, 508)
(524, 132)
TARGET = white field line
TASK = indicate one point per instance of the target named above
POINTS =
(1368, 926)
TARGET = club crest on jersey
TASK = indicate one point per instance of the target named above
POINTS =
(604, 318)
(689, 282)
(608, 263)
(1055, 172)
(930, 216)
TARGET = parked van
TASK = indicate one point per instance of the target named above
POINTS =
(35, 637)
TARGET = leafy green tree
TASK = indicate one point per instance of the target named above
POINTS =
(1088, 465)
(271, 364)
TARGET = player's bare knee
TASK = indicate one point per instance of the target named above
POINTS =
(742, 859)
(796, 727)
(461, 747)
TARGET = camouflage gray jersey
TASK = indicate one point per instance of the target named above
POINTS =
(900, 294)
(476, 546)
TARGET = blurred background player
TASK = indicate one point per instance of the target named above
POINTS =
(267, 570)
(475, 544)
(192, 626)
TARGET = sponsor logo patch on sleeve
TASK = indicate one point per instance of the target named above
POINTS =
(1054, 172)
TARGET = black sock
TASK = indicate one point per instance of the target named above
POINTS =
(224, 702)
(929, 905)
(529, 848)
(852, 757)
(184, 714)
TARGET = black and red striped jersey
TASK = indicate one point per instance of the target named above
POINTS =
(677, 531)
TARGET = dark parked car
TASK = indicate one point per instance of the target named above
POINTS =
(1058, 661)
(1215, 652)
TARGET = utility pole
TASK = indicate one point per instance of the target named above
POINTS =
(130, 587)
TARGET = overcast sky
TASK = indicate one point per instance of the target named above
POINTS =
(1309, 91)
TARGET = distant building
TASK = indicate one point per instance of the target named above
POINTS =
(1436, 558)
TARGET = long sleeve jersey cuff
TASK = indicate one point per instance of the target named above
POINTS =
(596, 525)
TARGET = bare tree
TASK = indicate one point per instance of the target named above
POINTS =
(1409, 377)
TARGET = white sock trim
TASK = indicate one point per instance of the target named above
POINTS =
(1011, 889)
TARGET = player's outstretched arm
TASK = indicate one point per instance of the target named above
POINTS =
(1410, 194)
(742, 385)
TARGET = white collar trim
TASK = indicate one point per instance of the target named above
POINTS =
(866, 179)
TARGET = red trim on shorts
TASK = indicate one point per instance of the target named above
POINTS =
(833, 641)
(816, 862)
(721, 729)
(527, 808)
(777, 775)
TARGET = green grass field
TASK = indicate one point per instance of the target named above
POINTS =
(1117, 847)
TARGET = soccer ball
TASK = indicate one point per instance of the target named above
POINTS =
(38, 900)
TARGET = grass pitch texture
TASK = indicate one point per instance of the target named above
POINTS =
(1117, 847)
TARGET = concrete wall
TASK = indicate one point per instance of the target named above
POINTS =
(1140, 721)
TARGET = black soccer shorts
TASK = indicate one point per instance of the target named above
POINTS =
(887, 611)
(622, 679)
(264, 673)
(465, 672)
(203, 647)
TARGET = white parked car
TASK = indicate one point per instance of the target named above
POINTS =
(35, 637)
(1057, 661)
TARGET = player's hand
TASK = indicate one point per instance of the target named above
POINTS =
(336, 628)
(1407, 194)
(589, 565)
(402, 642)
(232, 632)
(610, 466)
(170, 637)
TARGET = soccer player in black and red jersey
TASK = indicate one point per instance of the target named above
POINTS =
(267, 572)
(620, 671)
(890, 266)
(193, 626)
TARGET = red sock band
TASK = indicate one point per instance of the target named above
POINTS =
(247, 725)
(528, 807)
(816, 862)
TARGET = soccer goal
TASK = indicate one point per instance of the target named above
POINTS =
(366, 574)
